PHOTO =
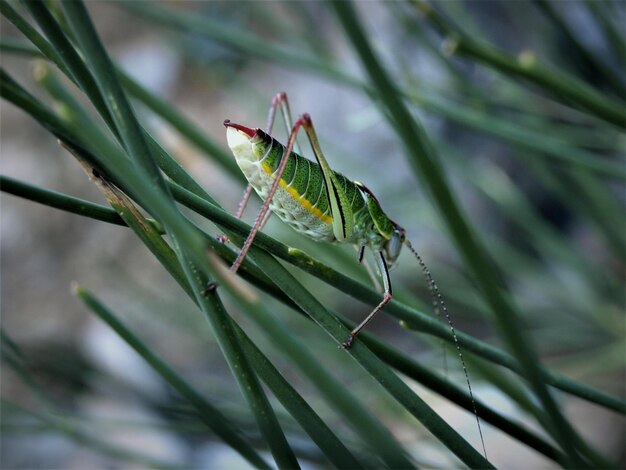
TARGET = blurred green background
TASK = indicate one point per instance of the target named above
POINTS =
(534, 156)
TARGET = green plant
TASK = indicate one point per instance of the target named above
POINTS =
(566, 136)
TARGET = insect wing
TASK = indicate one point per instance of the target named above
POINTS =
(340, 208)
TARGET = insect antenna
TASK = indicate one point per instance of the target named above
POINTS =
(440, 305)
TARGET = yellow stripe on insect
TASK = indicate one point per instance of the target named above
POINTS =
(298, 197)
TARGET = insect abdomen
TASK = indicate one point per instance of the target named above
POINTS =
(300, 200)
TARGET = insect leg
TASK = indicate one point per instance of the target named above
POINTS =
(279, 100)
(361, 253)
(362, 260)
(266, 204)
(384, 271)
(223, 238)
(265, 219)
(244, 202)
(340, 207)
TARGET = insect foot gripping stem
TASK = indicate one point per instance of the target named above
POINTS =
(211, 287)
(347, 344)
(384, 270)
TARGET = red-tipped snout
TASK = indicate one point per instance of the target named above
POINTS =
(246, 130)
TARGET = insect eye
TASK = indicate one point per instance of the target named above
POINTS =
(395, 245)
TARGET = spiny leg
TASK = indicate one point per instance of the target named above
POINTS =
(384, 272)
(279, 100)
(340, 206)
(223, 238)
(266, 204)
(244, 202)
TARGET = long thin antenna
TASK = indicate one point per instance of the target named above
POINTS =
(439, 303)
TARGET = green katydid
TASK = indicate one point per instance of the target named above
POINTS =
(320, 203)
(314, 199)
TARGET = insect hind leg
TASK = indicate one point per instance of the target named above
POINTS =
(261, 217)
(281, 101)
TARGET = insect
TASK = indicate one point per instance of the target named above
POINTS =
(322, 204)
(312, 198)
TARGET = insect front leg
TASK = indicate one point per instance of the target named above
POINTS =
(362, 260)
(384, 272)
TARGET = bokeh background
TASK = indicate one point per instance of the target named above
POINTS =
(554, 227)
